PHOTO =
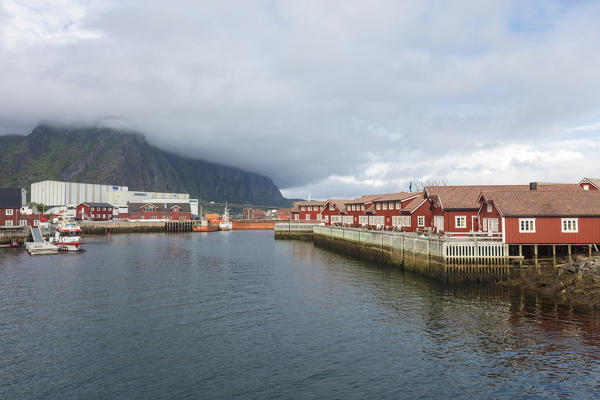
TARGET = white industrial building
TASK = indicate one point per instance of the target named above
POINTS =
(55, 193)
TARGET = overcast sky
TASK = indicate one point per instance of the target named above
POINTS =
(335, 98)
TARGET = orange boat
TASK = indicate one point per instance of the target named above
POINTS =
(207, 228)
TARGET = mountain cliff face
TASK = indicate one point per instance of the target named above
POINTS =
(107, 156)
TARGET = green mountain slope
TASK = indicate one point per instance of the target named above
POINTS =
(107, 156)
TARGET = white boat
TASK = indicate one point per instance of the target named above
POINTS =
(225, 224)
(68, 234)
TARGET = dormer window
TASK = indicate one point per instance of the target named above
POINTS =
(331, 207)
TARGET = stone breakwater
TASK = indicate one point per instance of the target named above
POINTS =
(576, 282)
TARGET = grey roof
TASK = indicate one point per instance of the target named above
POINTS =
(162, 206)
(11, 198)
(97, 204)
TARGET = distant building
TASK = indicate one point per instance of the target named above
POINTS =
(95, 211)
(253, 213)
(159, 211)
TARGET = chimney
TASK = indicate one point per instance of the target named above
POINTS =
(533, 185)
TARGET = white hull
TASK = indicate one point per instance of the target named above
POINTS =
(225, 226)
(67, 246)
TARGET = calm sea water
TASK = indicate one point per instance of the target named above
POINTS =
(240, 315)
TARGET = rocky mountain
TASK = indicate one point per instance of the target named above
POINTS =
(108, 156)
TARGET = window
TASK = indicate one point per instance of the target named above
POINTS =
(460, 222)
(378, 206)
(103, 208)
(406, 220)
(363, 219)
(36, 222)
(9, 211)
(181, 217)
(8, 223)
(586, 187)
(391, 205)
(490, 224)
(384, 206)
(489, 207)
(296, 217)
(347, 219)
(569, 225)
(318, 217)
(526, 225)
(302, 208)
(327, 218)
(308, 217)
(398, 205)
(336, 219)
(92, 209)
(23, 222)
(421, 221)
(362, 207)
(331, 207)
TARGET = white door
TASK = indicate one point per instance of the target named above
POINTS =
(438, 223)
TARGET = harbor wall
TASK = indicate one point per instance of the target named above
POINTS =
(410, 252)
(17, 234)
(102, 228)
(294, 231)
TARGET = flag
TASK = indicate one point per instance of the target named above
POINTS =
(410, 187)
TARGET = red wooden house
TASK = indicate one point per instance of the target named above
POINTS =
(589, 184)
(355, 210)
(414, 215)
(385, 211)
(455, 209)
(13, 211)
(307, 211)
(333, 212)
(94, 211)
(543, 217)
(155, 211)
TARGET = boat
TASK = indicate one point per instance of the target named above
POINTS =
(68, 234)
(225, 224)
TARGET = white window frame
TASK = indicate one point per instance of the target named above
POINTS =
(363, 220)
(23, 222)
(384, 206)
(297, 217)
(307, 217)
(569, 225)
(526, 225)
(36, 222)
(9, 211)
(421, 221)
(586, 187)
(398, 205)
(302, 208)
(489, 207)
(378, 206)
(8, 223)
(460, 218)
(331, 207)
(362, 207)
(327, 218)
(318, 217)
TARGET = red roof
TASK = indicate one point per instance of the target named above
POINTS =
(467, 197)
(536, 203)
(401, 196)
(412, 205)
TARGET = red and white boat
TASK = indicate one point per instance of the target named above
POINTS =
(68, 235)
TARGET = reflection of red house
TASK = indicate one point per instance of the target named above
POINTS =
(542, 217)
(95, 211)
(307, 211)
(154, 211)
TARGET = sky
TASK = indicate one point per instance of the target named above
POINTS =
(332, 98)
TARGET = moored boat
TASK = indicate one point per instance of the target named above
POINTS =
(225, 224)
(68, 235)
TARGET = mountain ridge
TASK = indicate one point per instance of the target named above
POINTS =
(109, 156)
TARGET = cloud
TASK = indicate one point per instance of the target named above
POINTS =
(337, 98)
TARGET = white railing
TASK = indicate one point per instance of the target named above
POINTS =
(448, 248)
(294, 227)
